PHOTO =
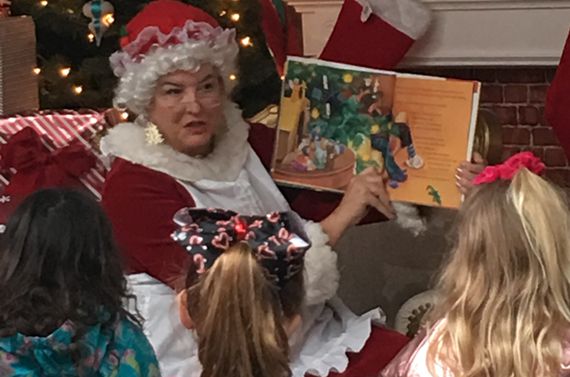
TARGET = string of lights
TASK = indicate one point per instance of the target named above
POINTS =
(73, 68)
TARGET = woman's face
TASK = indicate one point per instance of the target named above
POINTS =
(187, 109)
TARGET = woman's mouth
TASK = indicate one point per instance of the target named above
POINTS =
(196, 126)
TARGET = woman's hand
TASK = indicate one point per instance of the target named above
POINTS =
(368, 189)
(467, 171)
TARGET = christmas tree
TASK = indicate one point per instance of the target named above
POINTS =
(73, 67)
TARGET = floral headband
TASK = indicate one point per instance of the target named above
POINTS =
(508, 169)
(274, 239)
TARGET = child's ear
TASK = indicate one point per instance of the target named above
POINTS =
(185, 318)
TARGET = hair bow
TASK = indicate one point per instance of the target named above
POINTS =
(508, 169)
(277, 240)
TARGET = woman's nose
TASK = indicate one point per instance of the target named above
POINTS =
(193, 107)
(191, 102)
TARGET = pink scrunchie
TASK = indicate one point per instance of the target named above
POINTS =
(508, 169)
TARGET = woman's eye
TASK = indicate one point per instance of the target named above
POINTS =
(173, 91)
(209, 86)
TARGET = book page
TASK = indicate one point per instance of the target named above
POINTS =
(432, 121)
(327, 113)
(337, 120)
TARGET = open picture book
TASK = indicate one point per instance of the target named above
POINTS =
(337, 120)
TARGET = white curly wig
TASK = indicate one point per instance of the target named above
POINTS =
(154, 54)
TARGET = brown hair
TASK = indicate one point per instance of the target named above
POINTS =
(239, 314)
(505, 291)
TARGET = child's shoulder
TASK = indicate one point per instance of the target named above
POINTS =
(128, 331)
(136, 351)
(412, 361)
(129, 338)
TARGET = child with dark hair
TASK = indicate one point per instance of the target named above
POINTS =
(62, 292)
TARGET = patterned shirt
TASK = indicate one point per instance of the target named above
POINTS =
(117, 350)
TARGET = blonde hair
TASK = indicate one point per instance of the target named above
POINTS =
(239, 314)
(505, 291)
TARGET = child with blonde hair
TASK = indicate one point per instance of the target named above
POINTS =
(504, 294)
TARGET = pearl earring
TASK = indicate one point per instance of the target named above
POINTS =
(152, 134)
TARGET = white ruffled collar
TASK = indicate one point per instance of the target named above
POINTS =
(127, 141)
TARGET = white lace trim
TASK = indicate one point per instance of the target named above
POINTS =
(334, 332)
(127, 141)
(192, 32)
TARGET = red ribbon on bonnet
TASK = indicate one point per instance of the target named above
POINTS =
(37, 168)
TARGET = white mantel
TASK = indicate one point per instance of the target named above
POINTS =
(465, 32)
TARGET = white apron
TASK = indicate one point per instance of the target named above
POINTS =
(329, 330)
